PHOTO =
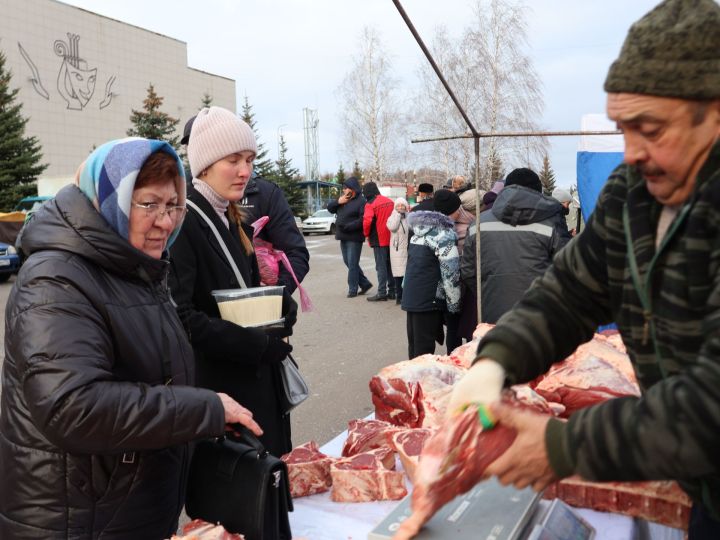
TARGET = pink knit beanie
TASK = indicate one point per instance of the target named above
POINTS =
(217, 133)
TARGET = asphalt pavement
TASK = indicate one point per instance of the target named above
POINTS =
(339, 346)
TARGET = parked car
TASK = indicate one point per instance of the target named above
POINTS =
(321, 221)
(9, 261)
(298, 223)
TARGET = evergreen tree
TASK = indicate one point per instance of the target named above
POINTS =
(285, 176)
(356, 172)
(19, 155)
(152, 123)
(547, 177)
(340, 175)
(263, 165)
(206, 100)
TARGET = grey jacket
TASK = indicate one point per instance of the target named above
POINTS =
(519, 237)
(97, 403)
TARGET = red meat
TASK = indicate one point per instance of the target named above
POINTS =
(368, 476)
(366, 435)
(308, 470)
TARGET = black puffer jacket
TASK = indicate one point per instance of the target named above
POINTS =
(93, 443)
(349, 223)
(520, 235)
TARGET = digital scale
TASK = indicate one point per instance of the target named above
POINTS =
(491, 511)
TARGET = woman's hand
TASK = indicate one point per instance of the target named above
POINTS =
(237, 414)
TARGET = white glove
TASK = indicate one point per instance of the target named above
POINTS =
(482, 384)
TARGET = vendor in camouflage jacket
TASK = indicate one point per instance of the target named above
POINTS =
(648, 260)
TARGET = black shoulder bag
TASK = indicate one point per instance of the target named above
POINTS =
(236, 483)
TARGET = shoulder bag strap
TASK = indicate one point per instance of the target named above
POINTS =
(213, 228)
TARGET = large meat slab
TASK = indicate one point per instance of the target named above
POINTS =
(308, 470)
(369, 476)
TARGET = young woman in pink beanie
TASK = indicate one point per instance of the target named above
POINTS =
(240, 361)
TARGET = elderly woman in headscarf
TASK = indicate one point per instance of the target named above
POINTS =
(98, 403)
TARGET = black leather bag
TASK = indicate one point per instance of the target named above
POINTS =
(238, 484)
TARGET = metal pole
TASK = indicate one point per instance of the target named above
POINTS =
(488, 134)
(478, 273)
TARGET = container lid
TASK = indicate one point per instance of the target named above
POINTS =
(275, 290)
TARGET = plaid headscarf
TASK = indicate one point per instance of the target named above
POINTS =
(108, 178)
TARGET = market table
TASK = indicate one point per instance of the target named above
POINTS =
(318, 518)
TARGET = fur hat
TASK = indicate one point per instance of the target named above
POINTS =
(673, 51)
(425, 188)
(217, 133)
(446, 201)
(524, 177)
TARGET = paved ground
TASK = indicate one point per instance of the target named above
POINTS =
(339, 346)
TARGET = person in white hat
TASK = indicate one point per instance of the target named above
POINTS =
(242, 362)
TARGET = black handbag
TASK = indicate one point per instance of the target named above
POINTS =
(236, 483)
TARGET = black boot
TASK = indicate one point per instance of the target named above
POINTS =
(377, 298)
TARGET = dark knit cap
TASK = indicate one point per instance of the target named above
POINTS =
(524, 177)
(673, 51)
(446, 201)
(425, 188)
(187, 129)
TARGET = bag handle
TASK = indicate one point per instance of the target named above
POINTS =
(213, 228)
(248, 437)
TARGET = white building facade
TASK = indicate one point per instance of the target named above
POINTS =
(80, 75)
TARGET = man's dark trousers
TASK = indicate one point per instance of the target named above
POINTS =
(386, 282)
(351, 257)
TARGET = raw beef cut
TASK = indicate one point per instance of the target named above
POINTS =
(198, 529)
(452, 462)
(308, 470)
(582, 381)
(463, 355)
(409, 444)
(414, 393)
(365, 477)
(366, 435)
(660, 502)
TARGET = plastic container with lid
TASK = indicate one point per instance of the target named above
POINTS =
(255, 306)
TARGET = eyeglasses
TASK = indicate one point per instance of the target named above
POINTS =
(153, 210)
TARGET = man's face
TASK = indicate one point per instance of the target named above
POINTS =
(667, 139)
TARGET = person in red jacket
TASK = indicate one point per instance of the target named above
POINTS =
(377, 211)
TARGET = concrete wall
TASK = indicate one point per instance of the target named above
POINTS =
(80, 75)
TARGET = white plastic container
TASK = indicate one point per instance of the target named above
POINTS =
(255, 306)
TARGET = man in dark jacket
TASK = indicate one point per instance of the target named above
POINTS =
(350, 208)
(264, 198)
(377, 212)
(425, 198)
(649, 260)
(519, 237)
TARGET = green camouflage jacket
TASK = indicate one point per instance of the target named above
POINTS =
(667, 306)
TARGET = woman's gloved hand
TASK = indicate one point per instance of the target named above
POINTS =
(289, 310)
(276, 351)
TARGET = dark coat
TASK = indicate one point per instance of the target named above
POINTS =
(93, 443)
(520, 235)
(230, 358)
(432, 274)
(349, 222)
(263, 198)
(426, 205)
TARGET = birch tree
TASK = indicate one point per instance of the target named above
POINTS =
(370, 107)
(492, 76)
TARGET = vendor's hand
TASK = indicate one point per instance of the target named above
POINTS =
(237, 414)
(276, 351)
(481, 384)
(526, 462)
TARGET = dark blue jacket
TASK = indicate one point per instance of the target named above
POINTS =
(349, 222)
(263, 198)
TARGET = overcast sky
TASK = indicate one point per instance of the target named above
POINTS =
(290, 54)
